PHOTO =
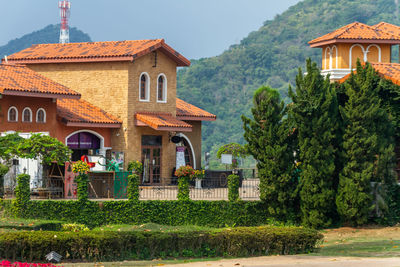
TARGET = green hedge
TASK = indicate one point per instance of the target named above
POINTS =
(104, 245)
(205, 213)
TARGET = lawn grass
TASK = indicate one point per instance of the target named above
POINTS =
(152, 227)
(356, 242)
(18, 224)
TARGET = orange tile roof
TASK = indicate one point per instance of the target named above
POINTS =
(389, 71)
(356, 31)
(186, 111)
(76, 112)
(387, 27)
(22, 81)
(95, 52)
(161, 121)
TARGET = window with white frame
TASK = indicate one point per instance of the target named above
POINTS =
(27, 115)
(41, 115)
(162, 88)
(12, 114)
(144, 87)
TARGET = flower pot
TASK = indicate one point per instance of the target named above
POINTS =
(198, 183)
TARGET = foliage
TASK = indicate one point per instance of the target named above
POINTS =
(3, 171)
(271, 55)
(80, 167)
(95, 246)
(368, 146)
(22, 194)
(48, 149)
(49, 34)
(316, 118)
(233, 187)
(235, 149)
(270, 140)
(8, 146)
(74, 227)
(199, 174)
(185, 171)
(136, 167)
(183, 188)
(90, 213)
(82, 186)
(133, 187)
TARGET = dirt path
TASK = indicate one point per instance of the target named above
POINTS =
(301, 261)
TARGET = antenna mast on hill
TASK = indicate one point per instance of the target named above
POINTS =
(65, 7)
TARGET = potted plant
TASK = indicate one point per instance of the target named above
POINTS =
(199, 176)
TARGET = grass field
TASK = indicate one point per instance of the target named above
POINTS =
(361, 242)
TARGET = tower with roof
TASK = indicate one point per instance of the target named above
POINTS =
(356, 41)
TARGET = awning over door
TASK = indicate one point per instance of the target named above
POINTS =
(161, 122)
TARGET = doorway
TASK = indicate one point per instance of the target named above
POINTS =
(151, 159)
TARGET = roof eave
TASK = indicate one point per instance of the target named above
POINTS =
(195, 118)
(38, 94)
(70, 60)
(362, 41)
(92, 124)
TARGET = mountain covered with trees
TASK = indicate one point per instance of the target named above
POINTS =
(47, 35)
(224, 85)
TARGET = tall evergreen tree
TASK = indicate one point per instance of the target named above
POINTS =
(315, 114)
(368, 146)
(270, 141)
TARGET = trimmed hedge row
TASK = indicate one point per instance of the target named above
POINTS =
(104, 245)
(205, 213)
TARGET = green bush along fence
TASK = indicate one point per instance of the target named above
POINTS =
(106, 245)
(91, 213)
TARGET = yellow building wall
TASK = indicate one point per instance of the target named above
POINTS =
(373, 55)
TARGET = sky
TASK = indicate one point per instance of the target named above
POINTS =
(195, 28)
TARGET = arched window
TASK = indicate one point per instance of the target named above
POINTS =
(41, 116)
(144, 87)
(27, 115)
(12, 114)
(162, 88)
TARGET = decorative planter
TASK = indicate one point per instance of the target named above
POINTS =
(198, 183)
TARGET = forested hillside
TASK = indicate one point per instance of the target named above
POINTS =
(49, 34)
(224, 84)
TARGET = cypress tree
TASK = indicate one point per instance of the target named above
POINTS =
(368, 146)
(270, 141)
(316, 117)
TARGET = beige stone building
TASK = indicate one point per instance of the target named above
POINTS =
(136, 82)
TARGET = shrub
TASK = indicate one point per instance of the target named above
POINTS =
(135, 167)
(22, 193)
(90, 213)
(133, 187)
(3, 171)
(233, 187)
(184, 174)
(74, 227)
(82, 186)
(106, 245)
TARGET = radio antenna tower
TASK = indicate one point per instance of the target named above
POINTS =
(65, 7)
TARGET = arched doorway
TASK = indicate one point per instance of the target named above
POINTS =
(81, 142)
(190, 158)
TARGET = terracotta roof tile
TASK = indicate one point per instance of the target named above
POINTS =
(390, 71)
(355, 31)
(74, 112)
(20, 80)
(95, 52)
(186, 111)
(162, 121)
(387, 27)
